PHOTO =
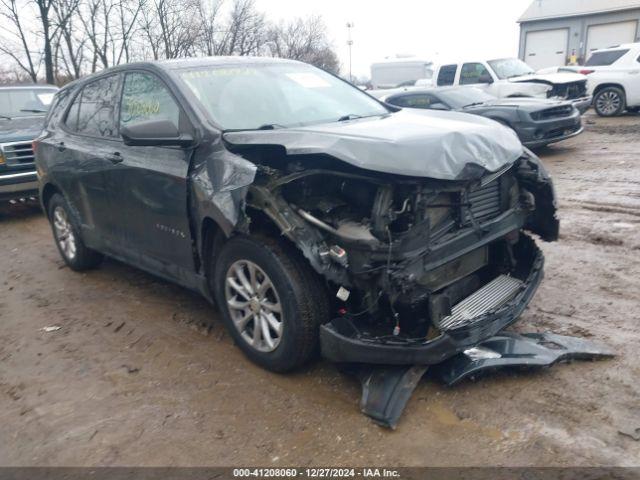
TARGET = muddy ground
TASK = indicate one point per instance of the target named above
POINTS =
(131, 377)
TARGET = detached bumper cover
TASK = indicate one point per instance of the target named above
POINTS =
(341, 342)
(511, 350)
(386, 390)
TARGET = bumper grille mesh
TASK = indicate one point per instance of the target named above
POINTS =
(494, 294)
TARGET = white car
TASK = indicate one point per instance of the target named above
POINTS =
(613, 79)
(511, 77)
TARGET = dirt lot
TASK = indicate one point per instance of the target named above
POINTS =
(132, 378)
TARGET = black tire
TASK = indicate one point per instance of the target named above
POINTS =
(609, 102)
(300, 291)
(82, 258)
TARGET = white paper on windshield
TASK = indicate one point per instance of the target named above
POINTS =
(45, 98)
(308, 80)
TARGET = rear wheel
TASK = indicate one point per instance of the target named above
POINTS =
(609, 102)
(271, 300)
(68, 238)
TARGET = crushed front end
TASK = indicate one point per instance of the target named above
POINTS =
(420, 269)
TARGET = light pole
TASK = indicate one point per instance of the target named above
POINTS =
(350, 43)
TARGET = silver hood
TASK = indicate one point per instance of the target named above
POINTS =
(439, 145)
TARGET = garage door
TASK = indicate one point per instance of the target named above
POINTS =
(610, 34)
(546, 48)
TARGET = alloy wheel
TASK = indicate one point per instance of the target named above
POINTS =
(64, 233)
(254, 305)
(608, 103)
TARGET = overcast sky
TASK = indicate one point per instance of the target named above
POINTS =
(435, 29)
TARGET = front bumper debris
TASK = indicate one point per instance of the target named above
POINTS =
(342, 342)
(387, 389)
(529, 350)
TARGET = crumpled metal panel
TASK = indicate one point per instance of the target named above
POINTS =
(431, 144)
(221, 180)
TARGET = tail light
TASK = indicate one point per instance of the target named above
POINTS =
(585, 71)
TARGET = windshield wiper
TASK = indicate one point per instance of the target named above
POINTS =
(5, 116)
(474, 104)
(270, 126)
(33, 110)
(350, 116)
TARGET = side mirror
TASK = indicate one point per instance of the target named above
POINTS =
(438, 106)
(485, 79)
(159, 133)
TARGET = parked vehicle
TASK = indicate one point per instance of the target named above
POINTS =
(314, 215)
(511, 77)
(613, 79)
(400, 72)
(22, 111)
(536, 121)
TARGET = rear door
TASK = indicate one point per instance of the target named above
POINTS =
(150, 183)
(81, 146)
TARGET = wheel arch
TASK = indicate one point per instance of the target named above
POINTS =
(48, 191)
(602, 86)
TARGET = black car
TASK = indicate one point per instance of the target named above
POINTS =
(22, 111)
(316, 217)
(536, 121)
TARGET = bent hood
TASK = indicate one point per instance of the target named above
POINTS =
(439, 145)
(551, 78)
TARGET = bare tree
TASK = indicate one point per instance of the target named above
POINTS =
(305, 40)
(245, 32)
(212, 31)
(72, 39)
(23, 56)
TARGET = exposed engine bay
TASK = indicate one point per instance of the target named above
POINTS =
(399, 252)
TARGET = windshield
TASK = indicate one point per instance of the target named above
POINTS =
(463, 97)
(510, 67)
(25, 102)
(274, 95)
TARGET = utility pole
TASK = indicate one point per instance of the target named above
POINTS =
(350, 43)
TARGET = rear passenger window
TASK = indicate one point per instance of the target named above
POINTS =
(93, 112)
(606, 58)
(472, 73)
(145, 98)
(447, 75)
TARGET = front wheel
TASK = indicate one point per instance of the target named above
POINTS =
(609, 102)
(271, 301)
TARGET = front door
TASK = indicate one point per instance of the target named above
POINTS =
(150, 183)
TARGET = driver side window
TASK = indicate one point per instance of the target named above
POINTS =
(474, 73)
(145, 98)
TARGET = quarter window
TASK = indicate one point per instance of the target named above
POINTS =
(93, 112)
(605, 58)
(472, 73)
(447, 75)
(145, 98)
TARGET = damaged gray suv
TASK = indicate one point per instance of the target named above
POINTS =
(318, 219)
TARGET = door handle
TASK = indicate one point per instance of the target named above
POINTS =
(61, 147)
(115, 157)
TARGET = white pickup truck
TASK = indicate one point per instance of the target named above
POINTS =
(511, 77)
(613, 78)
